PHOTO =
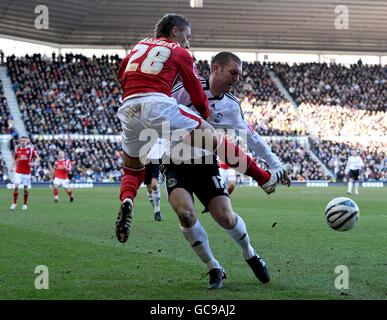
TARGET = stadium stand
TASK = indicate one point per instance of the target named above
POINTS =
(73, 94)
(335, 156)
(70, 94)
(357, 86)
(303, 166)
(3, 170)
(6, 123)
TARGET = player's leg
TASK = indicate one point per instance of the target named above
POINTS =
(70, 194)
(25, 197)
(350, 182)
(231, 183)
(155, 186)
(212, 193)
(26, 182)
(133, 166)
(15, 193)
(181, 200)
(148, 182)
(55, 189)
(134, 174)
(222, 212)
(356, 178)
(235, 157)
(66, 186)
(204, 136)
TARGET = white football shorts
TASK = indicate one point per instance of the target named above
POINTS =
(160, 115)
(228, 175)
(23, 179)
(65, 183)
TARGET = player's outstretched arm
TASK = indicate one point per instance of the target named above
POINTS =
(191, 83)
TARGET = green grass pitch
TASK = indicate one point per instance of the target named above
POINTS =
(76, 242)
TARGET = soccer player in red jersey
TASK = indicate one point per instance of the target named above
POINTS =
(60, 176)
(147, 76)
(25, 157)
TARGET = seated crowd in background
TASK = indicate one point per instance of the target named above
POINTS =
(76, 94)
(6, 122)
(335, 156)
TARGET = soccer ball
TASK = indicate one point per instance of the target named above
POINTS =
(342, 214)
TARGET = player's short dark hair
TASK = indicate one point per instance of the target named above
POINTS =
(222, 58)
(167, 22)
(23, 137)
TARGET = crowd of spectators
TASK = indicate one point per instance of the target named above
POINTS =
(304, 168)
(67, 94)
(321, 120)
(75, 94)
(357, 86)
(6, 122)
(3, 170)
(335, 156)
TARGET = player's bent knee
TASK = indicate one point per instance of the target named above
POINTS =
(187, 217)
(227, 220)
(155, 186)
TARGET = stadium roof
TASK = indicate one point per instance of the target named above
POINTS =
(235, 24)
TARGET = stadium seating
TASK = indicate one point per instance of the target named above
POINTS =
(335, 155)
(3, 170)
(358, 86)
(78, 95)
(6, 123)
(303, 166)
(71, 94)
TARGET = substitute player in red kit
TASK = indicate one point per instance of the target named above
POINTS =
(60, 176)
(25, 157)
(147, 76)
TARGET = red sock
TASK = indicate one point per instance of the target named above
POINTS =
(15, 195)
(70, 193)
(56, 192)
(257, 173)
(130, 182)
(25, 196)
(236, 158)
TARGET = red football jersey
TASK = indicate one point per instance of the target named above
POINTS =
(62, 168)
(24, 158)
(154, 64)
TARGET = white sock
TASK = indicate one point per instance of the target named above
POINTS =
(241, 237)
(156, 200)
(150, 198)
(350, 184)
(357, 187)
(198, 240)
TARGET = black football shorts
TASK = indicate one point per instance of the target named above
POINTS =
(203, 180)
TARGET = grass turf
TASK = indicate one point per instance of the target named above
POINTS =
(76, 242)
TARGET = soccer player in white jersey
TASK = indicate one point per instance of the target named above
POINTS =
(203, 180)
(152, 174)
(352, 169)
